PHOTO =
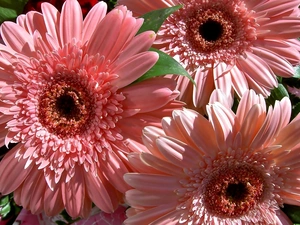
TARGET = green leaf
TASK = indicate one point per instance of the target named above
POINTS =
(154, 19)
(9, 9)
(277, 94)
(297, 72)
(4, 200)
(5, 210)
(293, 212)
(165, 65)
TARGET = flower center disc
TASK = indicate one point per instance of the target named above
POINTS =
(210, 30)
(65, 108)
(233, 190)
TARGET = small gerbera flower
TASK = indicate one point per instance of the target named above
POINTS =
(232, 45)
(68, 100)
(230, 169)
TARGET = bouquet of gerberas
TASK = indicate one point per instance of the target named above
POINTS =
(150, 112)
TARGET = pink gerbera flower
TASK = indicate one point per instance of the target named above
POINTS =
(231, 169)
(232, 45)
(68, 100)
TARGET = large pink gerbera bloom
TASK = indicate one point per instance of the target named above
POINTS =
(68, 100)
(232, 45)
(230, 169)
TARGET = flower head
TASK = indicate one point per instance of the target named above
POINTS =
(227, 169)
(69, 101)
(232, 45)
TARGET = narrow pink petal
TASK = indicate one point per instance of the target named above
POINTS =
(222, 78)
(110, 25)
(263, 74)
(275, 8)
(218, 96)
(114, 169)
(249, 99)
(133, 68)
(160, 89)
(239, 81)
(52, 18)
(53, 203)
(101, 192)
(289, 135)
(173, 127)
(287, 49)
(143, 6)
(222, 120)
(37, 199)
(94, 16)
(282, 218)
(205, 85)
(200, 131)
(178, 152)
(10, 169)
(140, 43)
(161, 165)
(17, 38)
(136, 198)
(277, 28)
(35, 21)
(140, 166)
(128, 30)
(275, 121)
(149, 215)
(27, 187)
(152, 183)
(71, 22)
(73, 193)
(251, 124)
(278, 64)
(150, 134)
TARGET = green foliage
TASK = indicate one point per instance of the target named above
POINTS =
(9, 10)
(297, 72)
(154, 19)
(165, 65)
(277, 94)
(293, 212)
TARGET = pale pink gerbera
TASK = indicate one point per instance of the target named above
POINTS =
(68, 100)
(231, 169)
(232, 45)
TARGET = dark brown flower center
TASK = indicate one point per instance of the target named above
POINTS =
(232, 191)
(65, 108)
(211, 30)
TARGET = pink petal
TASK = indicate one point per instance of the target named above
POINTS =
(152, 183)
(52, 18)
(10, 169)
(92, 19)
(160, 89)
(133, 68)
(178, 152)
(278, 64)
(17, 38)
(136, 198)
(101, 192)
(110, 25)
(71, 22)
(205, 85)
(263, 74)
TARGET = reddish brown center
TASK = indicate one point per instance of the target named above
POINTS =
(65, 108)
(232, 191)
(210, 30)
